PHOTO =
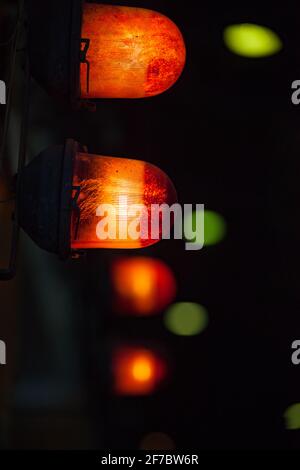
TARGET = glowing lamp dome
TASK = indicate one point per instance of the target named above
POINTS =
(132, 53)
(81, 51)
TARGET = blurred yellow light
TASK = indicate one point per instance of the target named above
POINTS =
(141, 286)
(251, 40)
(292, 417)
(186, 319)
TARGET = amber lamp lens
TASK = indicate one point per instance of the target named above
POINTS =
(142, 286)
(133, 52)
(115, 198)
(137, 371)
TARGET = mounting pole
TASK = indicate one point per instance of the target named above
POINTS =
(8, 273)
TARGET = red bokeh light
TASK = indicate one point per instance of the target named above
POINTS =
(142, 286)
(137, 371)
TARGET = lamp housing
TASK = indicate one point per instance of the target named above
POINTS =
(81, 51)
(65, 195)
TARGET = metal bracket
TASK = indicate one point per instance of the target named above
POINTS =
(83, 60)
(76, 209)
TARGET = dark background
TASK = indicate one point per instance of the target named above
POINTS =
(228, 136)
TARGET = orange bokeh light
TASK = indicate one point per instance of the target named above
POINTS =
(142, 286)
(107, 181)
(133, 52)
(137, 371)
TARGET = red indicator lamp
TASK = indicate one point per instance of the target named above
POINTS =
(142, 286)
(132, 52)
(83, 51)
(64, 192)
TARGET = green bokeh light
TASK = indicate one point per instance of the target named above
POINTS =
(292, 417)
(214, 227)
(186, 319)
(252, 40)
